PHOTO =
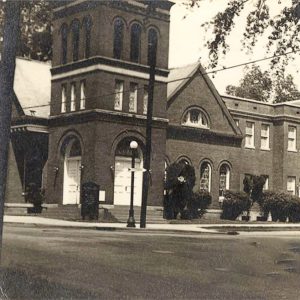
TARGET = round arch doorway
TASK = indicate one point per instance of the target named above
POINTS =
(122, 182)
(72, 176)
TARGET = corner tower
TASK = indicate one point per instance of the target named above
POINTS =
(99, 97)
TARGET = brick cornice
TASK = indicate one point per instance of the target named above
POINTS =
(105, 116)
(205, 136)
(96, 60)
(137, 7)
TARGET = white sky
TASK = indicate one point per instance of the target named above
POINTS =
(187, 41)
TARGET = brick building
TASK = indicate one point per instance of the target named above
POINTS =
(28, 149)
(98, 105)
(99, 97)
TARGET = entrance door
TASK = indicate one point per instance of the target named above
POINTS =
(122, 187)
(72, 181)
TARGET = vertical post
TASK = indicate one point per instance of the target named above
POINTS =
(7, 74)
(131, 220)
(147, 163)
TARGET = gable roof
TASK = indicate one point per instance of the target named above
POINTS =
(32, 87)
(179, 79)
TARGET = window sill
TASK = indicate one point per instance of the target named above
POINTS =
(250, 147)
(193, 126)
(290, 150)
(265, 149)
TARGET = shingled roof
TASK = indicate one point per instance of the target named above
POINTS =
(179, 76)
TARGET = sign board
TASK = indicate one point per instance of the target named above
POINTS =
(90, 200)
(137, 170)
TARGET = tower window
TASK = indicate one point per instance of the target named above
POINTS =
(87, 26)
(118, 38)
(63, 98)
(73, 97)
(135, 43)
(75, 39)
(64, 43)
(145, 102)
(119, 88)
(152, 46)
(133, 97)
(82, 95)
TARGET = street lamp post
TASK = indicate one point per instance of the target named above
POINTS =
(131, 221)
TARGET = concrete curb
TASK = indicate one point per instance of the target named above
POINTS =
(184, 228)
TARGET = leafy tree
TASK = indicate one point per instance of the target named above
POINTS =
(35, 40)
(282, 30)
(255, 85)
(259, 86)
(285, 89)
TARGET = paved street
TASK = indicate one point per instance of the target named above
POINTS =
(87, 263)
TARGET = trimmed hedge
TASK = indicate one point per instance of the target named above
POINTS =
(234, 204)
(180, 198)
(282, 206)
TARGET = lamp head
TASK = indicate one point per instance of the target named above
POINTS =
(133, 145)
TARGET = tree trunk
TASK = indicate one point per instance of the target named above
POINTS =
(7, 73)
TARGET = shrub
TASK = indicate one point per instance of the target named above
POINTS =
(293, 209)
(179, 185)
(257, 189)
(198, 204)
(234, 204)
(281, 206)
(35, 196)
(253, 186)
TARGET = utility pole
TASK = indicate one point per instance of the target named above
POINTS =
(147, 164)
(7, 74)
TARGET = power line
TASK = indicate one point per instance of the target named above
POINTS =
(183, 78)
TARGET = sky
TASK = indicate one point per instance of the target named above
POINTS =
(187, 42)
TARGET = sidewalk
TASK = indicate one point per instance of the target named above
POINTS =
(193, 228)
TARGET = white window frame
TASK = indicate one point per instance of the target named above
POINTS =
(73, 97)
(292, 137)
(265, 135)
(82, 94)
(63, 99)
(133, 94)
(291, 185)
(251, 136)
(119, 91)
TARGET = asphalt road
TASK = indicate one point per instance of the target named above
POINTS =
(52, 263)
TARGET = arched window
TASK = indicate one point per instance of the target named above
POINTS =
(195, 118)
(64, 43)
(224, 179)
(118, 38)
(75, 27)
(135, 42)
(205, 177)
(87, 27)
(184, 161)
(71, 147)
(152, 46)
